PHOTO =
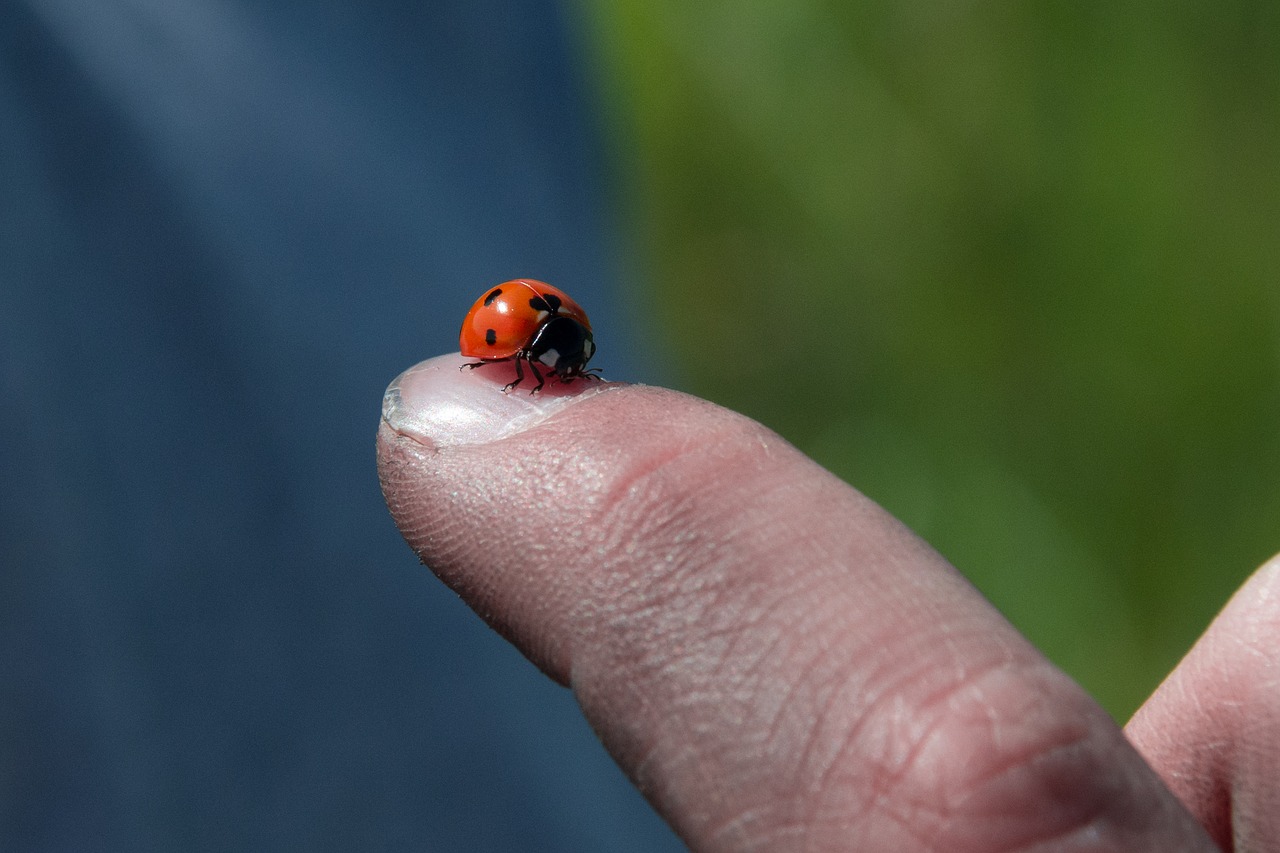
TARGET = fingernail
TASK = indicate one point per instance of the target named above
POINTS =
(439, 403)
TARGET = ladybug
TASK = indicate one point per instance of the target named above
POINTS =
(532, 322)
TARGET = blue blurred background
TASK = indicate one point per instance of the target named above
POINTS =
(224, 228)
(1008, 268)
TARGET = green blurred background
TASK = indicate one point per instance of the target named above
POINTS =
(1008, 268)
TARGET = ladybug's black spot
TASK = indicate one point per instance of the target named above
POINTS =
(553, 301)
(538, 304)
(493, 294)
(490, 337)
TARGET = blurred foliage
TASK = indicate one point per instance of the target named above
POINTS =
(1009, 268)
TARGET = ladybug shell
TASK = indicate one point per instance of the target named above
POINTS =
(506, 318)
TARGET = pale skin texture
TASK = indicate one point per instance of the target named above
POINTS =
(780, 665)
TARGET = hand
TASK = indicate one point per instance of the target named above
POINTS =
(776, 662)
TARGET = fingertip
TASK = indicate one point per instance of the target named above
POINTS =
(445, 401)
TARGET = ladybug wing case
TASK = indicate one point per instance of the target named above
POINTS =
(506, 319)
(568, 308)
(490, 332)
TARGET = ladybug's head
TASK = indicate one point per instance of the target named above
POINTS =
(564, 345)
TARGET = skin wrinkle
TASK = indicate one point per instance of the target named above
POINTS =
(655, 465)
(756, 667)
(890, 790)
(790, 762)
(847, 751)
(1089, 835)
(1114, 809)
(1065, 744)
(887, 681)
(906, 830)
(755, 830)
(732, 831)
(906, 739)
(890, 764)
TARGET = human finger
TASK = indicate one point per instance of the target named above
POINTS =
(775, 661)
(1212, 729)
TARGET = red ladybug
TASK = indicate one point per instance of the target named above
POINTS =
(528, 321)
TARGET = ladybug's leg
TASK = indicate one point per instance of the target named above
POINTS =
(589, 373)
(472, 365)
(536, 388)
(519, 376)
(584, 374)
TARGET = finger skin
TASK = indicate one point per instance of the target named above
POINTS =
(776, 662)
(1212, 730)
